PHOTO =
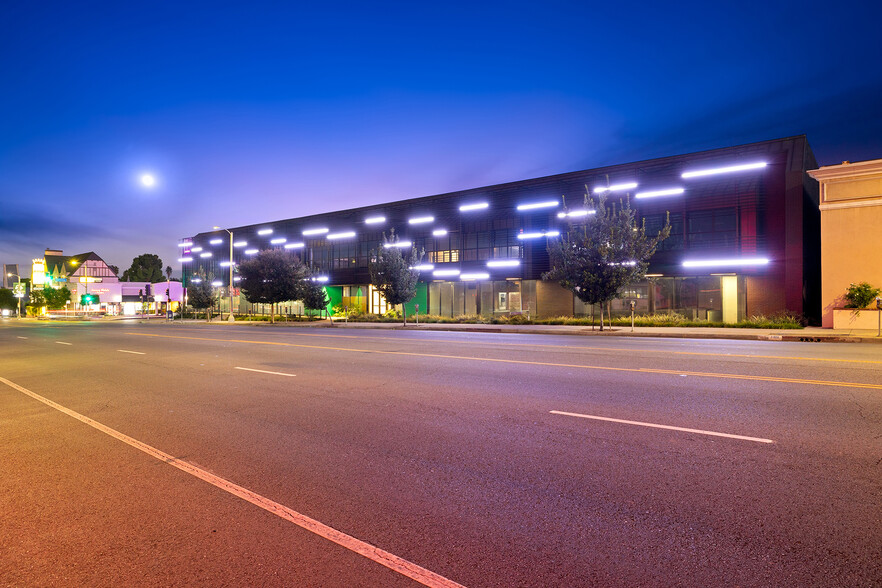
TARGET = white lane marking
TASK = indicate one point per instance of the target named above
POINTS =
(265, 372)
(656, 426)
(384, 558)
(63, 343)
(20, 337)
(135, 352)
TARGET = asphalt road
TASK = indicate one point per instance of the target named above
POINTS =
(154, 455)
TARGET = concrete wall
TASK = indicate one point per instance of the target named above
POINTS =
(553, 300)
(851, 230)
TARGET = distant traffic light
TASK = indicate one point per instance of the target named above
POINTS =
(87, 299)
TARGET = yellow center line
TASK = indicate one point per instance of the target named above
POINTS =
(534, 363)
(624, 349)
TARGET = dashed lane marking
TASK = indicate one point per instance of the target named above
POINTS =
(264, 371)
(380, 556)
(134, 352)
(657, 426)
(63, 343)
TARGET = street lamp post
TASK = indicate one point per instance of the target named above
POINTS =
(231, 317)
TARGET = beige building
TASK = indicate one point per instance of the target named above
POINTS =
(851, 236)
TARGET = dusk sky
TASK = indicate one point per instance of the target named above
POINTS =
(250, 112)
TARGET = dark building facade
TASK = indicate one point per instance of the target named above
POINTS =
(744, 239)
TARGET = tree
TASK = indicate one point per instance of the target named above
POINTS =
(607, 252)
(56, 298)
(313, 296)
(114, 269)
(200, 294)
(37, 302)
(392, 274)
(146, 267)
(273, 276)
(168, 273)
(8, 301)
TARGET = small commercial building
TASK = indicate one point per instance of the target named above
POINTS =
(96, 288)
(851, 236)
(744, 239)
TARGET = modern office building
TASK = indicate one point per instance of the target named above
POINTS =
(744, 238)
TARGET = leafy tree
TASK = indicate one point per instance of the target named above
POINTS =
(8, 301)
(391, 273)
(146, 267)
(114, 268)
(313, 296)
(168, 272)
(607, 252)
(273, 276)
(37, 302)
(200, 294)
(56, 298)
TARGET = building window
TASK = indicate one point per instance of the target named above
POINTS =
(712, 228)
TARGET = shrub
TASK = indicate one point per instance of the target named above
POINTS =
(860, 295)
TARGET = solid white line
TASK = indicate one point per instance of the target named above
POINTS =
(265, 372)
(135, 352)
(63, 343)
(22, 337)
(384, 558)
(655, 426)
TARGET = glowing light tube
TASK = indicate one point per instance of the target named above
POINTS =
(278, 240)
(421, 220)
(185, 259)
(251, 251)
(439, 232)
(723, 170)
(399, 244)
(321, 231)
(535, 205)
(657, 193)
(294, 245)
(343, 235)
(445, 272)
(537, 235)
(196, 249)
(185, 244)
(215, 241)
(575, 213)
(475, 206)
(745, 261)
(504, 263)
(206, 254)
(217, 283)
(423, 267)
(265, 232)
(375, 220)
(615, 187)
(240, 244)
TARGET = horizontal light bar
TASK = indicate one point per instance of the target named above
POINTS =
(196, 280)
(216, 241)
(420, 220)
(445, 272)
(657, 193)
(538, 235)
(226, 263)
(654, 275)
(575, 213)
(745, 261)
(343, 235)
(475, 206)
(185, 259)
(399, 244)
(320, 279)
(615, 187)
(375, 220)
(475, 276)
(240, 244)
(535, 205)
(278, 240)
(424, 267)
(628, 263)
(196, 249)
(217, 283)
(206, 254)
(723, 170)
(186, 244)
(237, 278)
(503, 263)
(439, 232)
(251, 251)
(294, 245)
(265, 232)
(321, 231)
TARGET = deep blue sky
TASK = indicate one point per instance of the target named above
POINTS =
(256, 111)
